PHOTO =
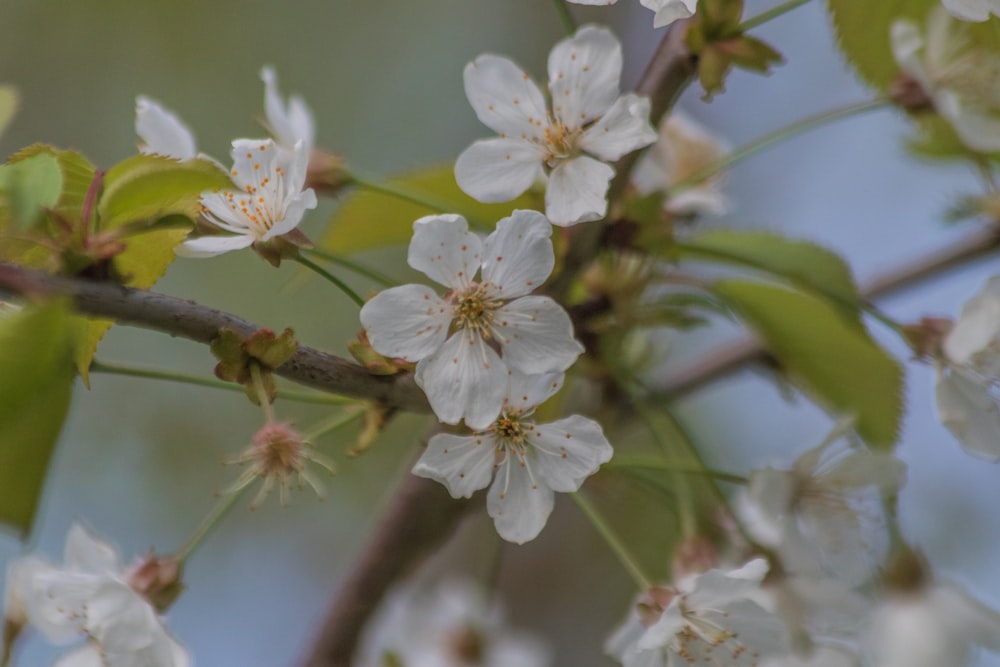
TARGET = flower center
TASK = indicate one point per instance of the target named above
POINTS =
(474, 310)
(560, 142)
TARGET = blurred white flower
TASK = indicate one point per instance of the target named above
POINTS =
(453, 624)
(89, 595)
(667, 11)
(933, 626)
(162, 132)
(289, 123)
(465, 342)
(588, 118)
(684, 149)
(824, 516)
(821, 657)
(709, 619)
(530, 460)
(268, 200)
(960, 80)
(968, 378)
(973, 10)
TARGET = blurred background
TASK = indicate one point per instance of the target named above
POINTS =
(139, 461)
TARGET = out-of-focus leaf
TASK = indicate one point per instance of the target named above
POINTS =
(36, 380)
(9, 101)
(77, 175)
(838, 363)
(368, 219)
(29, 186)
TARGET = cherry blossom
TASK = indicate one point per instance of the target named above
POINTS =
(90, 595)
(530, 460)
(667, 11)
(268, 200)
(959, 80)
(162, 132)
(972, 10)
(589, 126)
(289, 123)
(465, 343)
(968, 377)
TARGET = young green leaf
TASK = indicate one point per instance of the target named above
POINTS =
(29, 186)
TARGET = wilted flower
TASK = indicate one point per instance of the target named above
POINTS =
(667, 11)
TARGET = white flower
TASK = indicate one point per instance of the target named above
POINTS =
(968, 378)
(589, 118)
(268, 200)
(960, 81)
(453, 624)
(89, 595)
(288, 123)
(825, 514)
(973, 10)
(931, 627)
(530, 460)
(683, 150)
(453, 338)
(667, 11)
(709, 619)
(821, 657)
(162, 131)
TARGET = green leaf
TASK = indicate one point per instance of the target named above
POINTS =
(806, 265)
(837, 363)
(368, 219)
(36, 381)
(9, 102)
(147, 188)
(77, 175)
(29, 186)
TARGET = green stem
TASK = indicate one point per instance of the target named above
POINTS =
(360, 269)
(211, 519)
(777, 136)
(626, 559)
(114, 368)
(567, 19)
(622, 463)
(412, 195)
(332, 424)
(340, 284)
(257, 378)
(772, 13)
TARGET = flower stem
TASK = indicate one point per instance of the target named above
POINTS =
(772, 13)
(115, 368)
(211, 519)
(602, 527)
(642, 463)
(567, 19)
(777, 136)
(412, 195)
(332, 424)
(360, 269)
(262, 397)
(340, 284)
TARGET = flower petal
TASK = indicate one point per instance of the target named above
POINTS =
(624, 128)
(505, 98)
(409, 322)
(520, 505)
(978, 129)
(569, 451)
(584, 71)
(536, 335)
(85, 656)
(498, 170)
(518, 256)
(972, 10)
(577, 191)
(668, 11)
(464, 379)
(464, 464)
(288, 124)
(295, 209)
(87, 553)
(210, 246)
(525, 391)
(162, 131)
(967, 409)
(444, 250)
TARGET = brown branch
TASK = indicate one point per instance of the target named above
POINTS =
(180, 317)
(729, 358)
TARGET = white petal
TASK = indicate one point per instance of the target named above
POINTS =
(464, 464)
(907, 43)
(577, 191)
(504, 97)
(967, 409)
(649, 175)
(120, 619)
(445, 250)
(295, 209)
(624, 128)
(85, 656)
(980, 624)
(525, 391)
(706, 199)
(60, 598)
(20, 589)
(972, 10)
(584, 71)
(536, 335)
(253, 161)
(162, 131)
(978, 129)
(498, 170)
(568, 451)
(210, 246)
(289, 124)
(519, 504)
(87, 553)
(663, 631)
(668, 11)
(409, 322)
(518, 257)
(862, 468)
(464, 379)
